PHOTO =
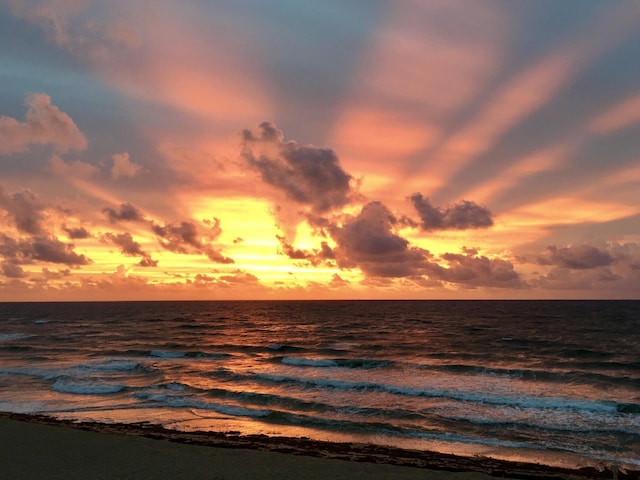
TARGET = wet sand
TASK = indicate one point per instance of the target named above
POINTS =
(38, 447)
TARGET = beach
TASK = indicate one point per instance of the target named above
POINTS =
(39, 447)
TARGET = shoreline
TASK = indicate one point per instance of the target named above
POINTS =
(303, 448)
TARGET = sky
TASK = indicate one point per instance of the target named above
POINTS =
(279, 149)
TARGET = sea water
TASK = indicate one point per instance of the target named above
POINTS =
(554, 382)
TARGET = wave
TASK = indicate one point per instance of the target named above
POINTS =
(570, 376)
(182, 401)
(12, 337)
(167, 354)
(345, 424)
(112, 365)
(187, 354)
(338, 362)
(86, 387)
(76, 371)
(309, 362)
(283, 347)
(529, 402)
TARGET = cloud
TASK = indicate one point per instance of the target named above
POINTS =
(576, 257)
(238, 278)
(598, 280)
(609, 270)
(26, 208)
(11, 270)
(52, 15)
(338, 282)
(45, 124)
(123, 166)
(473, 270)
(460, 216)
(315, 257)
(45, 249)
(76, 233)
(185, 238)
(49, 275)
(130, 247)
(368, 242)
(126, 213)
(307, 174)
(77, 169)
(67, 24)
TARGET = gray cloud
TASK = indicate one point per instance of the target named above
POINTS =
(26, 209)
(11, 270)
(185, 238)
(307, 174)
(460, 216)
(368, 242)
(475, 270)
(130, 247)
(54, 251)
(315, 256)
(76, 233)
(577, 257)
(41, 248)
(126, 213)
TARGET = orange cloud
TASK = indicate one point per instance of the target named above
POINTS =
(527, 91)
(621, 115)
(567, 211)
(544, 160)
(413, 76)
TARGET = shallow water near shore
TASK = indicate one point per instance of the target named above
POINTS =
(545, 381)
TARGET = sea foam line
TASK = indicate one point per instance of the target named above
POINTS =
(518, 401)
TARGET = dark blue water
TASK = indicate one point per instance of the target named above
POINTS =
(549, 381)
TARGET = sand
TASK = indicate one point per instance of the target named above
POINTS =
(36, 447)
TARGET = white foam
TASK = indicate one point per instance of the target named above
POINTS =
(10, 337)
(309, 362)
(521, 401)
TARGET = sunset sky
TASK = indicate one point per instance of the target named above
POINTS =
(256, 149)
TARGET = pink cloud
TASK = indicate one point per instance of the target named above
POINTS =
(44, 124)
(123, 166)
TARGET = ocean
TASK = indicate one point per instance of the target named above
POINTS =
(552, 382)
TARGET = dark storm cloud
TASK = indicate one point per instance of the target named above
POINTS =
(26, 209)
(46, 249)
(130, 247)
(577, 257)
(77, 233)
(126, 213)
(368, 242)
(307, 174)
(475, 270)
(185, 238)
(460, 216)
